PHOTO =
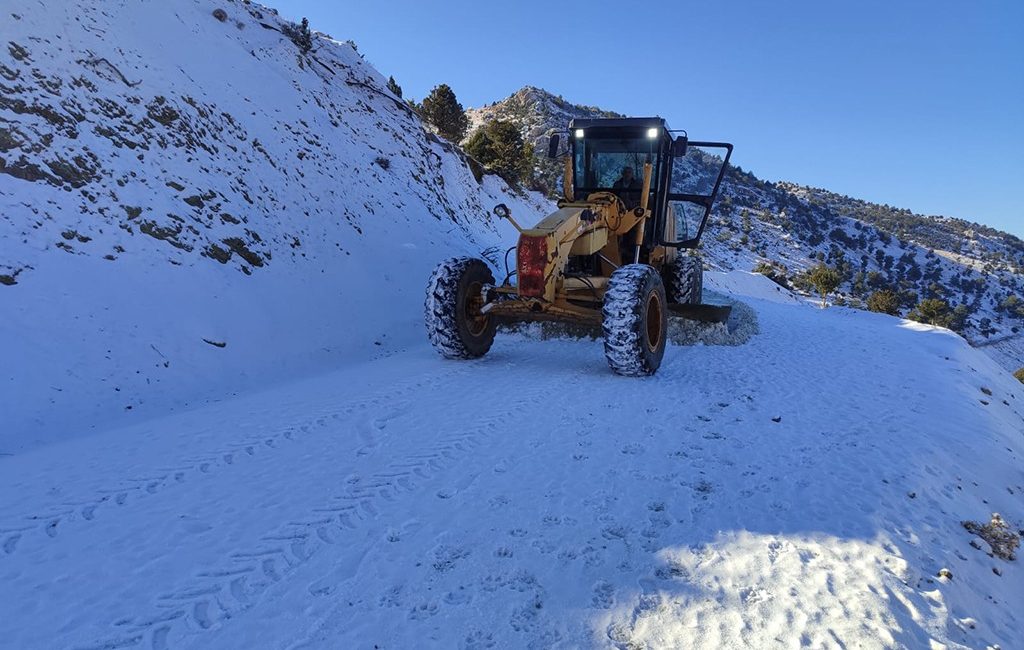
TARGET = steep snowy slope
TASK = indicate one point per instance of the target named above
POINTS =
(191, 205)
(805, 489)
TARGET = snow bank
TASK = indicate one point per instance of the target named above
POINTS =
(751, 285)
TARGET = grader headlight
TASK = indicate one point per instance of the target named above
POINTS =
(531, 262)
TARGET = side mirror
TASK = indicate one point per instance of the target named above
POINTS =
(553, 146)
(679, 146)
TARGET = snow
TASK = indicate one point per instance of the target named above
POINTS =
(197, 454)
(805, 488)
(344, 246)
(753, 285)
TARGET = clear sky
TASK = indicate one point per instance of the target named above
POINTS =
(912, 103)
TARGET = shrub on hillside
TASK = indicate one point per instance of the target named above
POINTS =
(300, 35)
(773, 273)
(1019, 375)
(394, 87)
(884, 301)
(825, 280)
(931, 311)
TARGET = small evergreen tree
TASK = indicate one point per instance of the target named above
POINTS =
(445, 113)
(884, 301)
(394, 87)
(499, 146)
(302, 37)
(825, 280)
(773, 273)
(958, 319)
(931, 311)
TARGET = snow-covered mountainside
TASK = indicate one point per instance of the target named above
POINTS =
(805, 489)
(192, 203)
(793, 227)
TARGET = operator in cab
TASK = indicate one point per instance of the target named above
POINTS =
(628, 188)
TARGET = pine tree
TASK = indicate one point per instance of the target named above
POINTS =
(958, 319)
(394, 87)
(499, 146)
(303, 37)
(825, 279)
(931, 311)
(444, 111)
(884, 301)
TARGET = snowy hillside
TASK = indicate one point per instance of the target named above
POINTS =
(805, 489)
(792, 227)
(193, 205)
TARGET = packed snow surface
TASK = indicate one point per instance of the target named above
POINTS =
(804, 489)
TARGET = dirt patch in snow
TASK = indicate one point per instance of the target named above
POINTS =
(1000, 537)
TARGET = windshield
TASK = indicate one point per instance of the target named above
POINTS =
(612, 163)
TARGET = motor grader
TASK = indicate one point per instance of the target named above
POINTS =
(636, 195)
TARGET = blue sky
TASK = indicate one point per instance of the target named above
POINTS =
(915, 104)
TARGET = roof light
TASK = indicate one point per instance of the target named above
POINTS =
(652, 133)
(579, 133)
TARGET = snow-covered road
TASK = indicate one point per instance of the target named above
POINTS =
(802, 489)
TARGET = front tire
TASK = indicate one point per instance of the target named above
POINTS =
(635, 320)
(684, 280)
(455, 325)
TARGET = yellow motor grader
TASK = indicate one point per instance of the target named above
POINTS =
(634, 194)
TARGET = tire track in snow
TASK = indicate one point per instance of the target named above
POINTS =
(212, 597)
(57, 520)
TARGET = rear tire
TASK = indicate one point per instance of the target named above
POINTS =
(635, 320)
(684, 280)
(455, 325)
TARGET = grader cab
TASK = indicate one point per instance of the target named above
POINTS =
(616, 252)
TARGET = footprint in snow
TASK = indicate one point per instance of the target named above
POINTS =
(477, 639)
(603, 597)
(422, 611)
(11, 543)
(754, 595)
(460, 597)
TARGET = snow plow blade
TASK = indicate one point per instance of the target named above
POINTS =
(705, 313)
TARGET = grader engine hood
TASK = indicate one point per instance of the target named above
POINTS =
(543, 250)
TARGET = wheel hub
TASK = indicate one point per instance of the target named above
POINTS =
(654, 319)
(473, 305)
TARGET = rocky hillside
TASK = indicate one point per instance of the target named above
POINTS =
(784, 228)
(536, 111)
(182, 182)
